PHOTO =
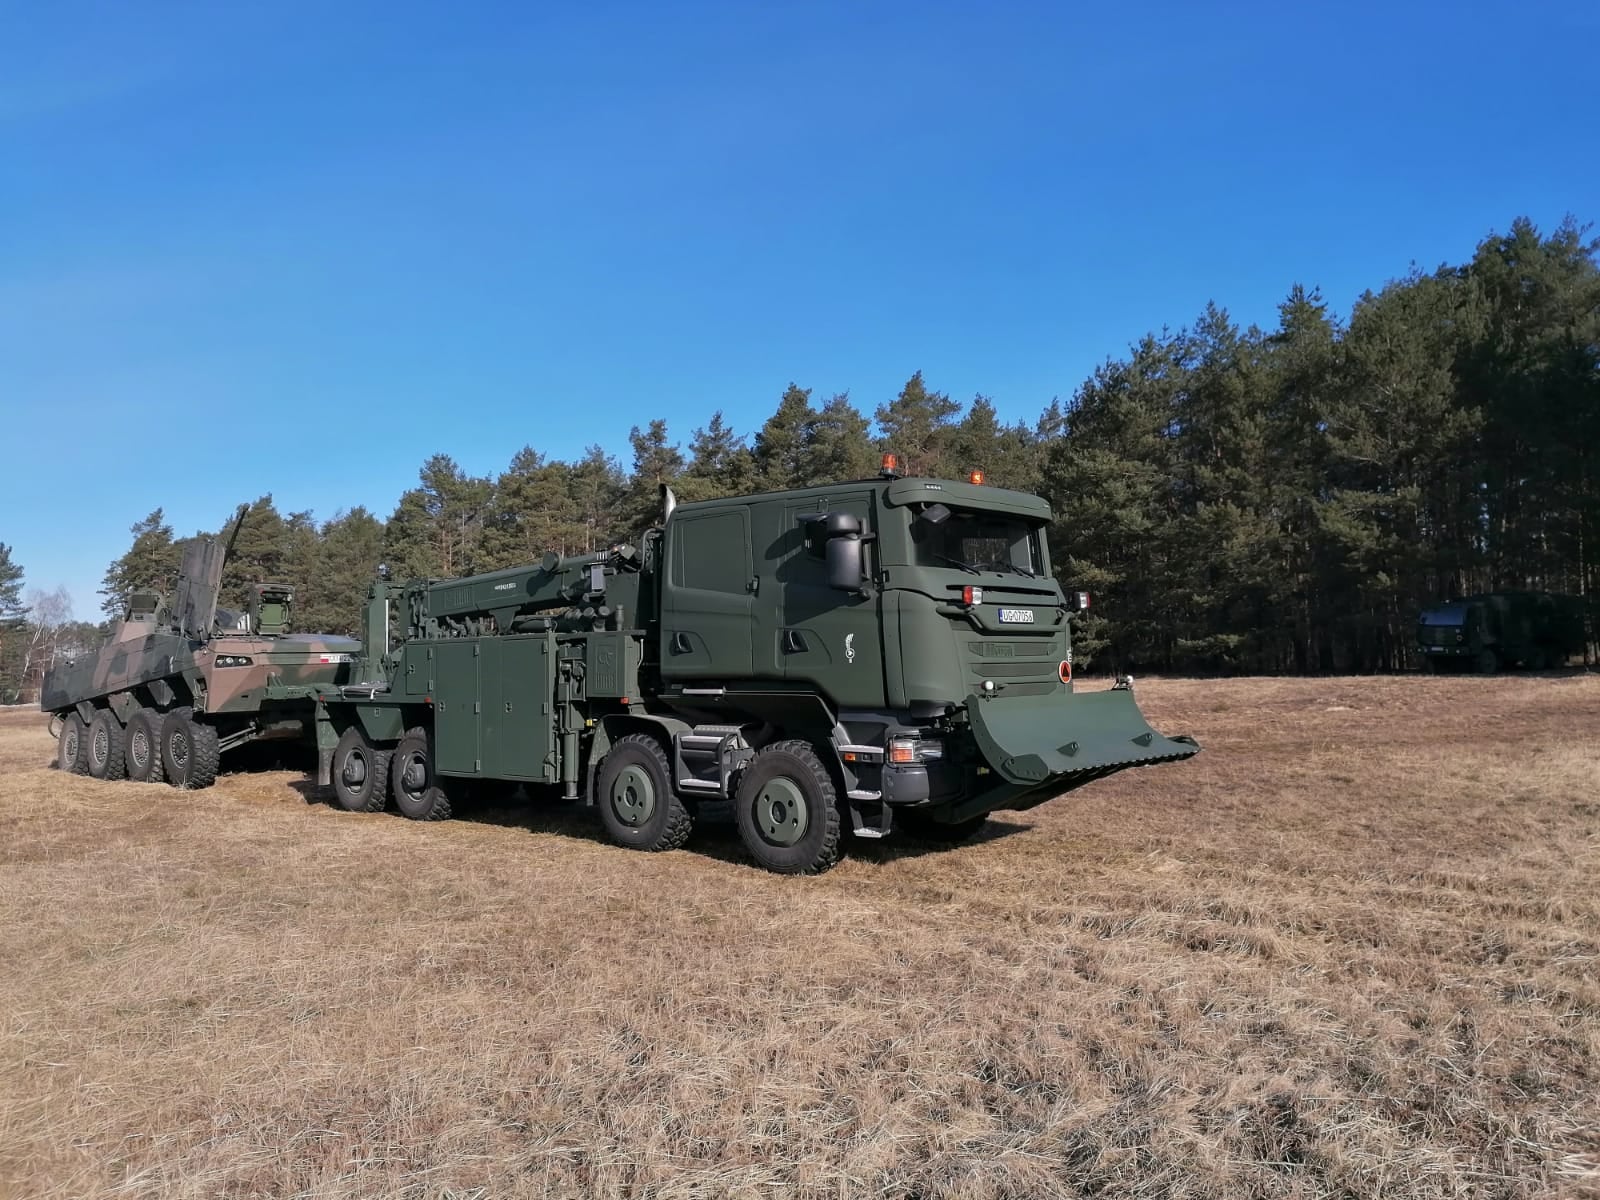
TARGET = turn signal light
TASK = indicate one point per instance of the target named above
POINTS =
(971, 595)
(902, 750)
(1066, 672)
(975, 477)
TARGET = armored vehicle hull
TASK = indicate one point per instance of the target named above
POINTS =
(177, 685)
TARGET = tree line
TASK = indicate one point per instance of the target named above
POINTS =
(1238, 499)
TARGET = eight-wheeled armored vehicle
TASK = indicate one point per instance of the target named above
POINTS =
(179, 682)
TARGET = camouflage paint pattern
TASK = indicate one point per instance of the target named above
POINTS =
(170, 652)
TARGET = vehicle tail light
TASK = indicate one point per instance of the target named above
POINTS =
(971, 595)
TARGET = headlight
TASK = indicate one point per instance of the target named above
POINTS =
(915, 749)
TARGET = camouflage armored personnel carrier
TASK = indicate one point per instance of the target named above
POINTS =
(179, 682)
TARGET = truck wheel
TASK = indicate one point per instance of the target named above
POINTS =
(417, 794)
(638, 806)
(105, 746)
(923, 827)
(142, 747)
(1486, 662)
(189, 750)
(72, 745)
(787, 809)
(360, 773)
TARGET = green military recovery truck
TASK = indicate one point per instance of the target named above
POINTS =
(1536, 630)
(868, 657)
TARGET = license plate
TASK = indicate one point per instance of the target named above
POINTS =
(1016, 616)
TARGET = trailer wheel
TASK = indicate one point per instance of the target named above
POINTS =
(142, 747)
(72, 745)
(105, 746)
(923, 827)
(787, 809)
(360, 773)
(417, 793)
(638, 805)
(189, 750)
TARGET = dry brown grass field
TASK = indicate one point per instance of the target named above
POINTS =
(1352, 949)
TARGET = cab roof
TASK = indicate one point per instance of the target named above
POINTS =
(901, 492)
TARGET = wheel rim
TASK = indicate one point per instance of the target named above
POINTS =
(69, 745)
(414, 775)
(101, 744)
(633, 795)
(179, 745)
(354, 773)
(781, 812)
(138, 748)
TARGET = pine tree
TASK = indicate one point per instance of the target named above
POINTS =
(13, 627)
(437, 527)
(532, 511)
(595, 484)
(150, 563)
(780, 444)
(720, 464)
(916, 426)
(349, 552)
(836, 444)
(656, 462)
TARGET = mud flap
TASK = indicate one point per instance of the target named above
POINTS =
(1049, 745)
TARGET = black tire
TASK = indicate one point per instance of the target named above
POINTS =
(417, 794)
(189, 750)
(1486, 662)
(72, 745)
(105, 746)
(787, 810)
(638, 804)
(924, 828)
(141, 747)
(360, 773)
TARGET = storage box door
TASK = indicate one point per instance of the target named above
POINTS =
(523, 721)
(457, 704)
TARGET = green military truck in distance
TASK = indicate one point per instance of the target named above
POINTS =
(1486, 633)
(179, 682)
(868, 656)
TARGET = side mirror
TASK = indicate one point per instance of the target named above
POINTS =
(843, 531)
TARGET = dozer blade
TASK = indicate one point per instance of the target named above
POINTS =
(1063, 741)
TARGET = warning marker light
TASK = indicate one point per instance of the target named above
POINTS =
(975, 477)
(891, 465)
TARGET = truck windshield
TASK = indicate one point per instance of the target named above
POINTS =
(977, 541)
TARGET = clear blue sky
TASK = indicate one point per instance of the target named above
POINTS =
(296, 248)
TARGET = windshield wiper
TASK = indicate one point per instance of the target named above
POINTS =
(1000, 565)
(955, 562)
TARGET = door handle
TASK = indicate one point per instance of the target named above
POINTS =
(794, 642)
(680, 643)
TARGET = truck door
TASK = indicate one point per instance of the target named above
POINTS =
(829, 639)
(705, 610)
